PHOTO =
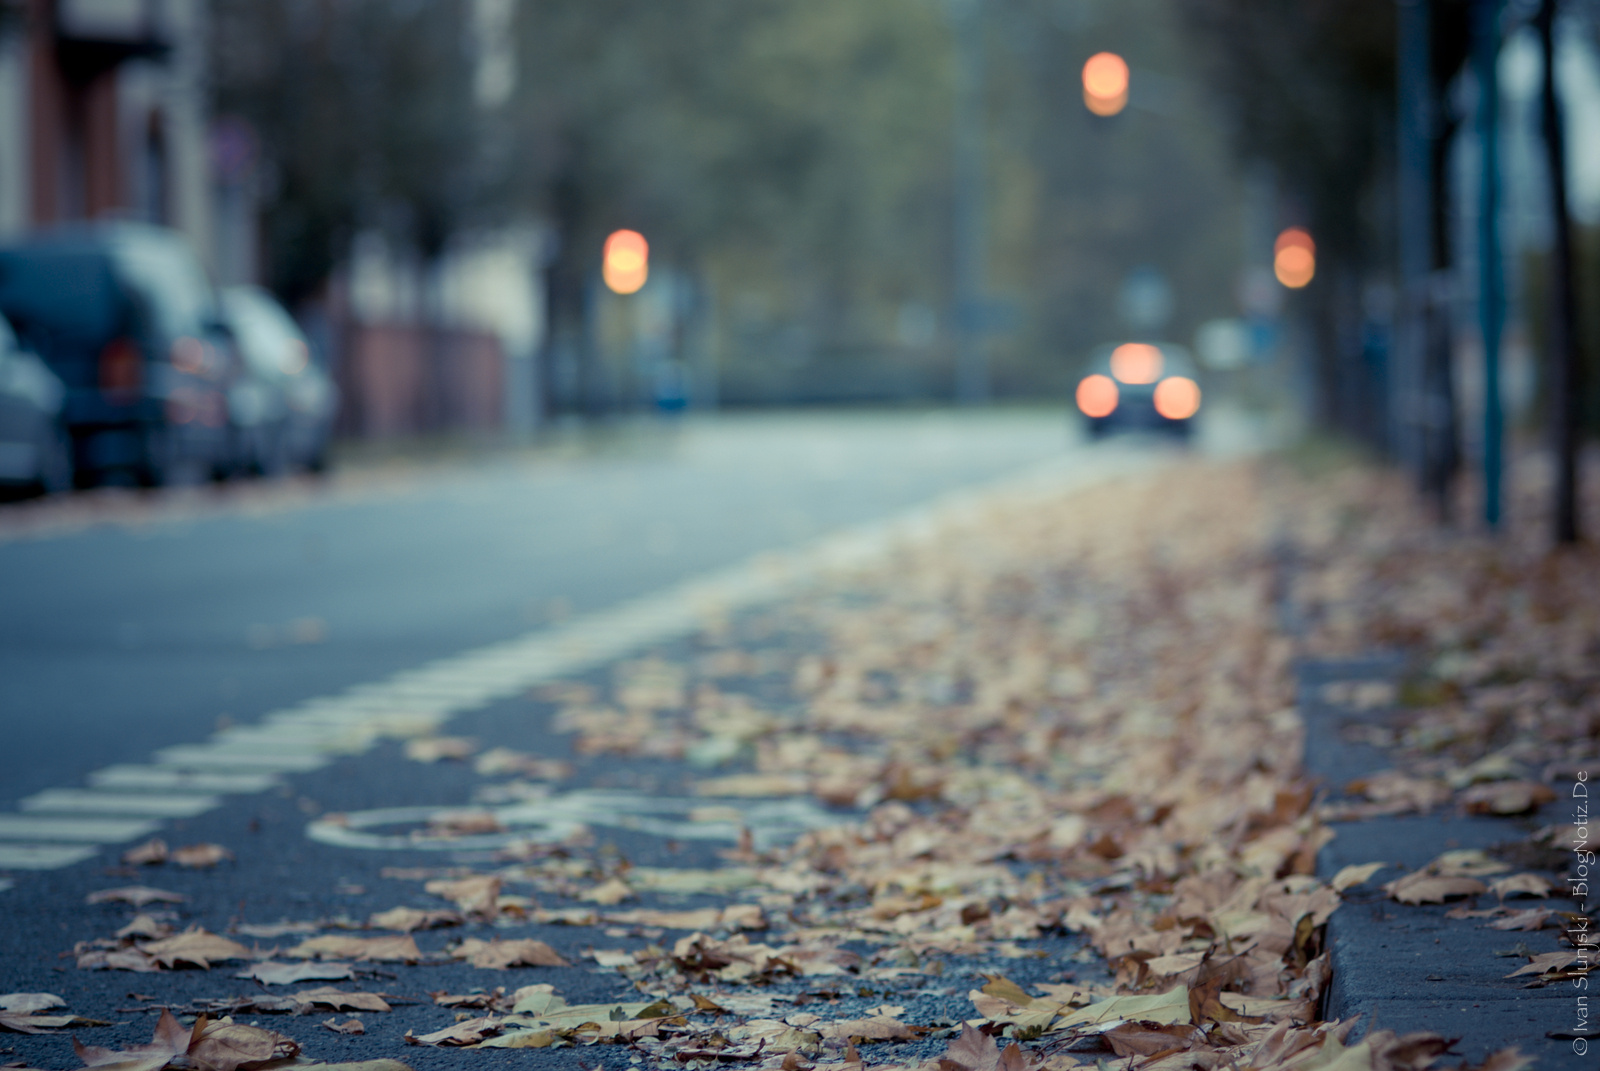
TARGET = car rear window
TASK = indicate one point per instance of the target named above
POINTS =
(168, 284)
(64, 305)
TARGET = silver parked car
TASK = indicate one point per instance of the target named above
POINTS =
(35, 449)
(283, 405)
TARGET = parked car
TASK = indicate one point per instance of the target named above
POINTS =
(1140, 386)
(123, 314)
(35, 449)
(283, 406)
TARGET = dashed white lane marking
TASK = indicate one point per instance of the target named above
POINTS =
(86, 830)
(213, 757)
(42, 857)
(142, 804)
(305, 737)
(166, 779)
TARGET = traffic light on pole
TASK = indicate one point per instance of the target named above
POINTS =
(1294, 258)
(1105, 83)
(626, 263)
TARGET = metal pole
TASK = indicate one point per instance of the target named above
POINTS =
(1409, 428)
(1563, 325)
(972, 358)
(1486, 55)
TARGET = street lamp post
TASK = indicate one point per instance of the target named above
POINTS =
(972, 356)
(1485, 58)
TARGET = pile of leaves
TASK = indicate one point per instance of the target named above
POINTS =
(1068, 731)
(1504, 629)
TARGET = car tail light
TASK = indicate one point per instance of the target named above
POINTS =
(121, 368)
(1177, 398)
(189, 355)
(1097, 396)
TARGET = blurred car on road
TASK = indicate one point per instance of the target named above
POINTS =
(1140, 386)
(282, 407)
(123, 314)
(35, 448)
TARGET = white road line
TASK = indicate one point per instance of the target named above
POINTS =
(166, 779)
(42, 857)
(210, 757)
(416, 701)
(90, 830)
(144, 804)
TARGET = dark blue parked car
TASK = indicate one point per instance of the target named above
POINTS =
(123, 313)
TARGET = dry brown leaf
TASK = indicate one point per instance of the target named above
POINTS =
(200, 856)
(1422, 887)
(28, 1003)
(1550, 962)
(338, 1000)
(1524, 884)
(195, 947)
(227, 1046)
(498, 955)
(408, 919)
(137, 895)
(467, 1032)
(147, 926)
(1533, 918)
(875, 1028)
(976, 1051)
(477, 896)
(499, 761)
(272, 973)
(1356, 874)
(349, 1026)
(609, 892)
(401, 949)
(1505, 797)
(150, 853)
(169, 1041)
(435, 748)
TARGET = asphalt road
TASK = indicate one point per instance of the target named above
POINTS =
(120, 638)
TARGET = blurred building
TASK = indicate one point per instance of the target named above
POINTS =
(102, 114)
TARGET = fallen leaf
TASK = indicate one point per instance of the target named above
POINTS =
(499, 761)
(1524, 884)
(1550, 962)
(200, 856)
(1350, 876)
(1505, 797)
(29, 1023)
(1162, 1008)
(349, 1026)
(976, 1051)
(137, 895)
(401, 949)
(609, 892)
(169, 1041)
(28, 1003)
(498, 955)
(407, 919)
(150, 853)
(146, 926)
(1533, 918)
(196, 947)
(474, 896)
(272, 973)
(268, 930)
(338, 1000)
(435, 748)
(467, 1032)
(1422, 887)
(227, 1046)
(876, 1028)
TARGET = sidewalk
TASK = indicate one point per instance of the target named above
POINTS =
(1037, 780)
